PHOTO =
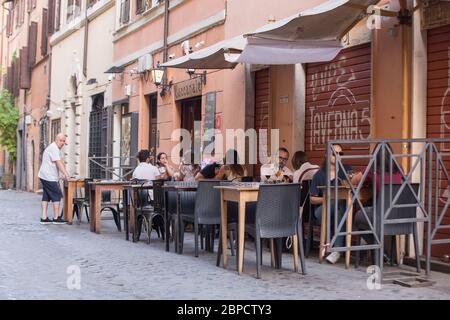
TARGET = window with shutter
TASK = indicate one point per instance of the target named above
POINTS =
(16, 90)
(25, 70)
(57, 15)
(10, 79)
(125, 11)
(9, 24)
(21, 11)
(44, 43)
(91, 3)
(139, 6)
(51, 17)
(32, 43)
(73, 9)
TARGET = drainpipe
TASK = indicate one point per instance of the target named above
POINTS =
(86, 37)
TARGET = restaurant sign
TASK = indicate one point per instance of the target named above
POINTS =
(434, 13)
(188, 89)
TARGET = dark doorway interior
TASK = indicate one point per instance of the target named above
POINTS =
(153, 123)
(191, 110)
(98, 122)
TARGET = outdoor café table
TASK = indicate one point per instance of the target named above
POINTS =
(343, 193)
(69, 187)
(178, 189)
(96, 198)
(240, 194)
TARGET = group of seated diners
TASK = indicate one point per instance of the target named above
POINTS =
(276, 172)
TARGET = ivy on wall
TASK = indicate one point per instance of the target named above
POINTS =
(9, 118)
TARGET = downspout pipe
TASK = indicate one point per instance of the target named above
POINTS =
(86, 38)
(166, 35)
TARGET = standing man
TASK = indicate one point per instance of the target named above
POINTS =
(52, 168)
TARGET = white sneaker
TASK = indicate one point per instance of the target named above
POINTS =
(333, 257)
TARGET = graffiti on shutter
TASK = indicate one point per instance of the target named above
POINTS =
(438, 117)
(338, 100)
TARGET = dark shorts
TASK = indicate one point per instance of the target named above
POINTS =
(52, 191)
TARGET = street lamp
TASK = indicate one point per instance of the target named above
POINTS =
(158, 79)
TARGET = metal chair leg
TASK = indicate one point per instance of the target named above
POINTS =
(258, 256)
(301, 250)
(416, 247)
(196, 237)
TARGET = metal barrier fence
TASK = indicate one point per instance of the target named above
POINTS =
(424, 176)
(120, 171)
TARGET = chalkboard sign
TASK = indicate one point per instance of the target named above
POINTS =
(209, 122)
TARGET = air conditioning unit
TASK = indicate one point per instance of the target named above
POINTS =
(145, 63)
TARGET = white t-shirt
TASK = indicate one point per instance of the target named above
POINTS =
(145, 171)
(308, 175)
(49, 170)
(270, 169)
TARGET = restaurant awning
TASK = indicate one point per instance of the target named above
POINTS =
(312, 35)
(221, 55)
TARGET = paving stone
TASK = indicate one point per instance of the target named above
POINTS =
(34, 261)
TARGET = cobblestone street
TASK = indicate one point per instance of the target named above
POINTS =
(34, 261)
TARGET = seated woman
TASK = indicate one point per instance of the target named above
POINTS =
(316, 193)
(304, 170)
(188, 170)
(165, 170)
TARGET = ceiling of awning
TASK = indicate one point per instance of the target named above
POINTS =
(329, 20)
(312, 35)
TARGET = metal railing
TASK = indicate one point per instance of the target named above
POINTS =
(425, 165)
(122, 172)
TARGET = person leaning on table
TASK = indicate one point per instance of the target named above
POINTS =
(316, 195)
(52, 168)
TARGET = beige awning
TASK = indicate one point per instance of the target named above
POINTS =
(217, 56)
(312, 35)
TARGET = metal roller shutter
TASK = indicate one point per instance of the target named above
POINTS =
(438, 113)
(338, 95)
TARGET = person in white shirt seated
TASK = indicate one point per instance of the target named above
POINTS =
(145, 170)
(304, 170)
(277, 172)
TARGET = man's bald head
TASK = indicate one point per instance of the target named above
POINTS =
(60, 140)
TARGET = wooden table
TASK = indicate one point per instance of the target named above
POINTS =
(69, 187)
(178, 189)
(96, 198)
(241, 195)
(343, 193)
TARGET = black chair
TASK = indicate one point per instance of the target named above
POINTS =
(409, 211)
(277, 215)
(145, 213)
(307, 215)
(106, 204)
(78, 202)
(186, 210)
(207, 213)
